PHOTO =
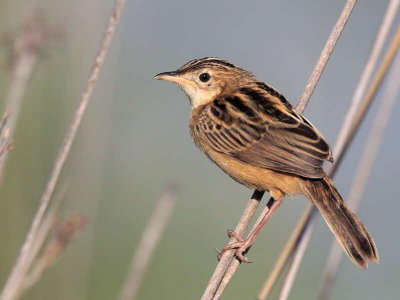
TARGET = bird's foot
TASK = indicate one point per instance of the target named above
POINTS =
(241, 246)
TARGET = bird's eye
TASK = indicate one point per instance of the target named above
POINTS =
(204, 77)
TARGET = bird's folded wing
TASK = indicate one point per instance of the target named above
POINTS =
(280, 139)
(288, 150)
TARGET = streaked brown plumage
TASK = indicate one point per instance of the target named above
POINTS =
(255, 136)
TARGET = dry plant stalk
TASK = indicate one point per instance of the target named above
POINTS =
(46, 226)
(149, 241)
(325, 54)
(281, 262)
(63, 235)
(6, 143)
(343, 139)
(22, 265)
(227, 265)
(24, 53)
(235, 263)
(364, 171)
(227, 258)
(306, 232)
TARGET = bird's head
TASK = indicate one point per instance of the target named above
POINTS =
(206, 79)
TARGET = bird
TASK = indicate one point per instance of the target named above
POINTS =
(249, 130)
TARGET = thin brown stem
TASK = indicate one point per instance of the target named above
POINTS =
(41, 237)
(227, 258)
(350, 122)
(149, 241)
(304, 238)
(21, 266)
(291, 275)
(325, 55)
(363, 173)
(236, 263)
(25, 50)
(280, 263)
(64, 233)
(5, 139)
(47, 223)
(366, 75)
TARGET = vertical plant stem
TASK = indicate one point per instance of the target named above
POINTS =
(227, 258)
(54, 248)
(149, 241)
(366, 75)
(343, 139)
(280, 263)
(364, 171)
(26, 47)
(5, 140)
(325, 55)
(304, 238)
(292, 274)
(236, 263)
(15, 280)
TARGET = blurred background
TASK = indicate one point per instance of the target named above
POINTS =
(134, 139)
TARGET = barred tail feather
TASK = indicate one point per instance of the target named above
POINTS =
(345, 225)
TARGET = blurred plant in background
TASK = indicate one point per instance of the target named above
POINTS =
(134, 139)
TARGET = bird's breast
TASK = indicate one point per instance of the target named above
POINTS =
(249, 175)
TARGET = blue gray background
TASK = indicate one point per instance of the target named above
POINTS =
(134, 139)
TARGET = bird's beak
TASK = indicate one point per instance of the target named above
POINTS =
(174, 77)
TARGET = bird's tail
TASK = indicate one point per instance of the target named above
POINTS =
(345, 225)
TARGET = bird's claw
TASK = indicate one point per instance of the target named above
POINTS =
(241, 246)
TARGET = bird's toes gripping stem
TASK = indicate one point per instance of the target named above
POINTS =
(241, 246)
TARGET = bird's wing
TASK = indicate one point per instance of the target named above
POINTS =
(258, 128)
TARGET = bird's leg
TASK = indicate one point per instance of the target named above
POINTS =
(242, 245)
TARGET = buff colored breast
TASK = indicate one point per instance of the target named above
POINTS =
(253, 176)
